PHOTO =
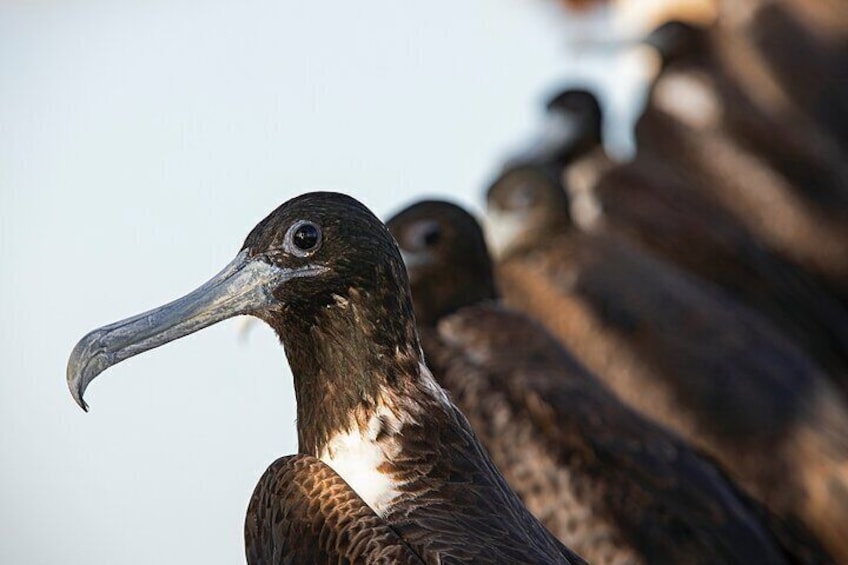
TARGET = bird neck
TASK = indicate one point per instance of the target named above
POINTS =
(441, 292)
(350, 360)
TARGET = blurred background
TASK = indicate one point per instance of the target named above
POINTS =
(141, 141)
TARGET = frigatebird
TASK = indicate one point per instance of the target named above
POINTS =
(387, 465)
(611, 484)
(808, 61)
(766, 162)
(656, 202)
(682, 352)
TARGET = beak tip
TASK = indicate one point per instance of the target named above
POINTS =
(77, 390)
(80, 371)
(77, 394)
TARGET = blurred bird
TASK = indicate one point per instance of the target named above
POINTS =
(729, 125)
(680, 351)
(652, 202)
(388, 468)
(810, 66)
(771, 163)
(610, 484)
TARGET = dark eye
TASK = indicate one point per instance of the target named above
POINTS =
(303, 238)
(522, 196)
(432, 236)
(424, 234)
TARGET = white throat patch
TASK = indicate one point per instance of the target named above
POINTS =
(357, 456)
(502, 230)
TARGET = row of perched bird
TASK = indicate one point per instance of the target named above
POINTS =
(639, 362)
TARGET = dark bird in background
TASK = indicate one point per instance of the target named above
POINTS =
(680, 351)
(387, 467)
(764, 161)
(808, 63)
(654, 203)
(612, 485)
(802, 47)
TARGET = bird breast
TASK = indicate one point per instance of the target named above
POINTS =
(359, 454)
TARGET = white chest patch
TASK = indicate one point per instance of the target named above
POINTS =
(502, 230)
(689, 98)
(357, 456)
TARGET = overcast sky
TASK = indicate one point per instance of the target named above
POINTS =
(140, 141)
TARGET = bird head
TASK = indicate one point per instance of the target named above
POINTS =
(446, 258)
(310, 261)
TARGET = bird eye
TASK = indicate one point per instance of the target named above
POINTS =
(303, 238)
(424, 234)
(523, 196)
(432, 236)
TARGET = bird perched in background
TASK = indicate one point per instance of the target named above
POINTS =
(829, 18)
(764, 160)
(610, 484)
(651, 201)
(745, 145)
(681, 352)
(809, 63)
(388, 468)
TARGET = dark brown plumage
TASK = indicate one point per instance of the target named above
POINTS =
(606, 481)
(327, 276)
(303, 512)
(656, 203)
(741, 144)
(683, 353)
(811, 68)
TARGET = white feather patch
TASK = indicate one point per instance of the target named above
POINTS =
(502, 231)
(688, 97)
(357, 456)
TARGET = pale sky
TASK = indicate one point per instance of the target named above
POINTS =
(140, 141)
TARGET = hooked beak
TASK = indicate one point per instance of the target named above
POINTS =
(244, 286)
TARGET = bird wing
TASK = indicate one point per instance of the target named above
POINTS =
(723, 365)
(303, 512)
(665, 498)
(464, 511)
(650, 201)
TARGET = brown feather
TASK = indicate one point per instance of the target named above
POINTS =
(302, 512)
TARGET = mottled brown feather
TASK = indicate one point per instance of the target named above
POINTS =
(456, 505)
(607, 482)
(302, 512)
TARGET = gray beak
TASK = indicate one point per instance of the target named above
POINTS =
(244, 286)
